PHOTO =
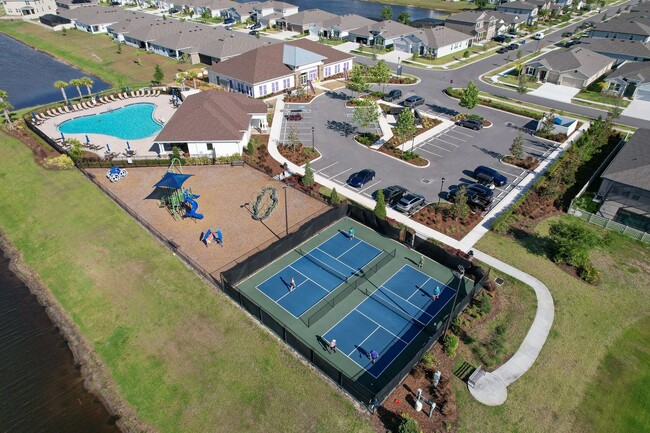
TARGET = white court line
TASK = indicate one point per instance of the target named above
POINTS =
(325, 168)
(291, 266)
(289, 291)
(361, 344)
(370, 186)
(336, 175)
(344, 264)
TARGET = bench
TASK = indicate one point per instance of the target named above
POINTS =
(238, 163)
(475, 376)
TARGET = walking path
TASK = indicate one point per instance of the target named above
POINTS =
(491, 388)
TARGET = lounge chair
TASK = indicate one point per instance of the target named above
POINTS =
(50, 114)
(133, 94)
(147, 93)
(121, 96)
(156, 93)
(76, 107)
(84, 106)
(104, 100)
(67, 109)
(113, 98)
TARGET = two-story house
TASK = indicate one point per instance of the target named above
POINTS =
(632, 28)
(481, 25)
(527, 12)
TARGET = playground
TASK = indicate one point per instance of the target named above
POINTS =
(226, 200)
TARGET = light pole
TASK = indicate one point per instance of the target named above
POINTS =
(313, 142)
(461, 274)
(413, 142)
(442, 185)
(286, 207)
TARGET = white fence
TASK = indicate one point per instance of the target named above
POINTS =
(610, 225)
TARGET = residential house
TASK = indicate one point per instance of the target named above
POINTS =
(96, 19)
(339, 27)
(279, 68)
(527, 11)
(309, 21)
(631, 80)
(506, 23)
(71, 4)
(541, 4)
(240, 12)
(625, 186)
(213, 124)
(621, 50)
(383, 34)
(576, 67)
(270, 7)
(215, 8)
(481, 25)
(435, 42)
(29, 8)
(632, 28)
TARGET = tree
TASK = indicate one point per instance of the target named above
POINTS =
(466, 54)
(119, 48)
(77, 82)
(405, 127)
(469, 97)
(308, 178)
(366, 114)
(386, 13)
(192, 75)
(380, 206)
(571, 242)
(76, 148)
(381, 72)
(517, 147)
(460, 208)
(158, 75)
(334, 197)
(6, 107)
(88, 82)
(404, 18)
(408, 425)
(357, 80)
(522, 84)
(292, 137)
(481, 4)
(548, 121)
(62, 85)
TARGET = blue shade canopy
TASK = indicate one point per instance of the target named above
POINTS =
(172, 180)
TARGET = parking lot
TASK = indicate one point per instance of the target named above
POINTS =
(452, 154)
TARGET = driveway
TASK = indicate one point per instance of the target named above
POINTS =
(638, 109)
(555, 92)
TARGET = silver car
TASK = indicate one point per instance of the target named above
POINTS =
(410, 203)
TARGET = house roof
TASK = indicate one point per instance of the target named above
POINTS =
(213, 5)
(637, 72)
(617, 46)
(348, 22)
(469, 17)
(438, 37)
(507, 18)
(309, 16)
(266, 63)
(578, 59)
(632, 164)
(625, 24)
(211, 116)
(518, 5)
(96, 15)
(274, 5)
(388, 29)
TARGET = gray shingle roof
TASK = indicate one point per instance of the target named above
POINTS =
(617, 46)
(96, 15)
(211, 116)
(437, 37)
(517, 5)
(348, 22)
(387, 29)
(578, 59)
(506, 17)
(470, 17)
(638, 72)
(625, 24)
(632, 164)
(309, 16)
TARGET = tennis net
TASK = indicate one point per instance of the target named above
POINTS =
(375, 296)
(323, 265)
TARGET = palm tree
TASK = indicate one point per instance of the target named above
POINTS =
(6, 106)
(88, 82)
(192, 76)
(62, 85)
(77, 82)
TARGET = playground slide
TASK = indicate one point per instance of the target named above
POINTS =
(192, 213)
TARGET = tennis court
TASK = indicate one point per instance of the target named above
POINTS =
(318, 272)
(390, 318)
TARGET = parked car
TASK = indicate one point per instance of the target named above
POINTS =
(499, 179)
(414, 101)
(256, 26)
(254, 32)
(567, 34)
(538, 36)
(485, 180)
(294, 115)
(502, 38)
(173, 11)
(393, 194)
(392, 95)
(472, 190)
(502, 50)
(227, 27)
(410, 203)
(360, 178)
(229, 21)
(513, 47)
(474, 124)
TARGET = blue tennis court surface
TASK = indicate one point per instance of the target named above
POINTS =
(390, 318)
(318, 273)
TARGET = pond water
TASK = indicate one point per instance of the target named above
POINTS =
(28, 75)
(41, 390)
(364, 8)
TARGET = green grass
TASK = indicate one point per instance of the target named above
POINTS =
(483, 52)
(600, 98)
(514, 80)
(588, 322)
(331, 42)
(94, 54)
(185, 358)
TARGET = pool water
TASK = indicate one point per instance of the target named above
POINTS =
(132, 122)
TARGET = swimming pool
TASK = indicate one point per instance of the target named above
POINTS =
(131, 122)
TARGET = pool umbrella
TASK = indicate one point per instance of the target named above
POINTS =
(108, 148)
(34, 117)
(127, 146)
(87, 139)
(62, 137)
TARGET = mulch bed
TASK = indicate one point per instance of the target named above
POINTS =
(441, 220)
(299, 98)
(391, 146)
(528, 163)
(262, 160)
(298, 154)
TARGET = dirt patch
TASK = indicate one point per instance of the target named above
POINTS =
(97, 379)
(440, 219)
(262, 160)
(298, 154)
(227, 196)
(528, 163)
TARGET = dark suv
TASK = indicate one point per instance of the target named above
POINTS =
(414, 101)
(478, 196)
(393, 194)
(392, 95)
(498, 178)
(474, 124)
(502, 38)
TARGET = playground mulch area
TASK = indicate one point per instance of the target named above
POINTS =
(223, 191)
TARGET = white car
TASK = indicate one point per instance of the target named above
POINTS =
(539, 36)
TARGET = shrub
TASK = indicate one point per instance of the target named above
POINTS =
(229, 158)
(334, 197)
(450, 344)
(571, 242)
(484, 304)
(589, 273)
(308, 178)
(427, 360)
(367, 138)
(380, 206)
(61, 162)
(408, 425)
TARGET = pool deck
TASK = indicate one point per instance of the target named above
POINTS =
(143, 147)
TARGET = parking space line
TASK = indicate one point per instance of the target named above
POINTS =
(370, 186)
(440, 139)
(435, 145)
(455, 138)
(424, 150)
(325, 168)
(337, 175)
(461, 133)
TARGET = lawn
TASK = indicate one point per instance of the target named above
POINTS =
(183, 356)
(483, 51)
(589, 323)
(599, 98)
(95, 54)
(332, 42)
(514, 81)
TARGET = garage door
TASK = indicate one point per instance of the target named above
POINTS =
(402, 45)
(642, 94)
(572, 82)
